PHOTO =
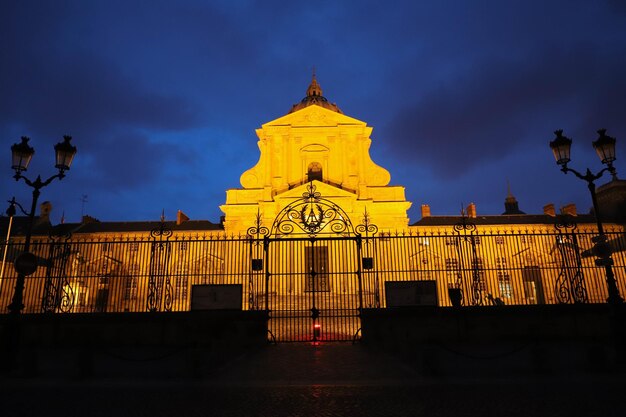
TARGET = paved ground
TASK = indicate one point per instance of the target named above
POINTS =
(315, 380)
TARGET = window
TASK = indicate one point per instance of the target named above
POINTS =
(452, 265)
(181, 281)
(452, 268)
(499, 240)
(533, 285)
(504, 278)
(314, 172)
(130, 289)
(82, 298)
(317, 260)
(133, 247)
(81, 294)
(504, 284)
(182, 245)
(478, 274)
(181, 288)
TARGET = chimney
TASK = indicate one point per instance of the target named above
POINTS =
(471, 210)
(181, 218)
(549, 210)
(569, 209)
(88, 219)
(44, 212)
(425, 210)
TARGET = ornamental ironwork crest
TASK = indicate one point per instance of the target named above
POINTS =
(312, 215)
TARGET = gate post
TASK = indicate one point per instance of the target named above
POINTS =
(159, 284)
(358, 271)
(58, 294)
(315, 313)
(465, 231)
(257, 264)
(266, 244)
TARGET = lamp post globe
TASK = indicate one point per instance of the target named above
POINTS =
(64, 152)
(22, 153)
(605, 148)
(561, 147)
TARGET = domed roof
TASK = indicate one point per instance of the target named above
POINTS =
(314, 96)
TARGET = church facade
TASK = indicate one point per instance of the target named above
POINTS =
(314, 234)
(317, 143)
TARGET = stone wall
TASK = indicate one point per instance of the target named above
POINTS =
(161, 345)
(501, 341)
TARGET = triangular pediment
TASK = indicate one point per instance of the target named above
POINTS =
(325, 191)
(531, 256)
(314, 116)
(425, 253)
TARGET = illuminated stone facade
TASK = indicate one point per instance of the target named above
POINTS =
(315, 142)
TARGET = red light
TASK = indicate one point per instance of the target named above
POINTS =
(317, 330)
(317, 326)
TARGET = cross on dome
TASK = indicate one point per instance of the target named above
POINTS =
(314, 97)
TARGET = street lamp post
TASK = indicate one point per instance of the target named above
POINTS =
(22, 153)
(605, 148)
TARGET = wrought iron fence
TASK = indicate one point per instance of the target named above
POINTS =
(158, 274)
(498, 268)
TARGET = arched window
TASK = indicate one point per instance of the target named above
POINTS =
(314, 171)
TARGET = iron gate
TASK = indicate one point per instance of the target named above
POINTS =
(307, 270)
(314, 288)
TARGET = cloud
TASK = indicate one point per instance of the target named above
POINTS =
(84, 94)
(128, 160)
(51, 84)
(499, 105)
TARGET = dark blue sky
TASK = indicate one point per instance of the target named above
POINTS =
(162, 97)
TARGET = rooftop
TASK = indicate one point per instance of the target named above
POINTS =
(314, 97)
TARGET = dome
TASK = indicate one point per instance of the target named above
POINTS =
(314, 97)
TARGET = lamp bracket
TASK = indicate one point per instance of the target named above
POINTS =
(15, 203)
